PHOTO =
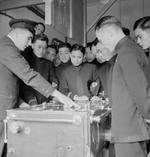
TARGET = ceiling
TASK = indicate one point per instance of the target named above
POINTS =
(36, 9)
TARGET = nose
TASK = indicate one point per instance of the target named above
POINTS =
(138, 41)
(29, 43)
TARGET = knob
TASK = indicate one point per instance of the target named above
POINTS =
(16, 127)
(77, 119)
(11, 151)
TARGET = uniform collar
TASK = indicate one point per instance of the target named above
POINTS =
(121, 43)
(113, 59)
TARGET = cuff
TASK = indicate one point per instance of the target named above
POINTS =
(33, 102)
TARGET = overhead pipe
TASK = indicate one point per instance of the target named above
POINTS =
(85, 22)
(5, 14)
(101, 13)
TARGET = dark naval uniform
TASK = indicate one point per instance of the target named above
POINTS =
(14, 66)
(130, 100)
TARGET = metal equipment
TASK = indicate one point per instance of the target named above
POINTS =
(53, 133)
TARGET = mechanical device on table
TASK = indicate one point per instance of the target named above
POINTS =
(50, 129)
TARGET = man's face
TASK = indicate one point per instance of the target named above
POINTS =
(51, 54)
(142, 37)
(39, 48)
(102, 53)
(64, 54)
(39, 29)
(105, 45)
(24, 38)
(76, 57)
(89, 56)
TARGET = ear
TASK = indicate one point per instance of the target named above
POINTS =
(110, 33)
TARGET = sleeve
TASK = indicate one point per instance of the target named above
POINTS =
(137, 84)
(29, 95)
(15, 62)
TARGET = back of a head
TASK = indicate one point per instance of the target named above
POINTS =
(142, 23)
(108, 21)
(109, 32)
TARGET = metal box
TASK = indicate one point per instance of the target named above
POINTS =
(47, 133)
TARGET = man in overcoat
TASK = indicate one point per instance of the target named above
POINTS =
(130, 91)
(13, 67)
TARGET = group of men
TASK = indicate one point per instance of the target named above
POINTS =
(129, 89)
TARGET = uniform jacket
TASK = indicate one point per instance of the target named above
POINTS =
(130, 93)
(75, 79)
(105, 75)
(14, 66)
(45, 68)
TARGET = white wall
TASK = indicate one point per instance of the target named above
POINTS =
(16, 13)
(25, 13)
(126, 10)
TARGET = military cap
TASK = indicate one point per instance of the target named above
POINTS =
(23, 23)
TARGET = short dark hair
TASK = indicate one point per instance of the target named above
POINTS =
(78, 47)
(53, 47)
(143, 23)
(41, 37)
(126, 31)
(89, 45)
(107, 20)
(62, 45)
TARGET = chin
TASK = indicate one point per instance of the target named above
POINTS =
(76, 65)
(90, 60)
(64, 61)
(39, 56)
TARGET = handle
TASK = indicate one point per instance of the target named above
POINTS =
(75, 120)
(5, 130)
(44, 120)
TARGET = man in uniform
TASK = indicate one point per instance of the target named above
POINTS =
(13, 67)
(130, 92)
